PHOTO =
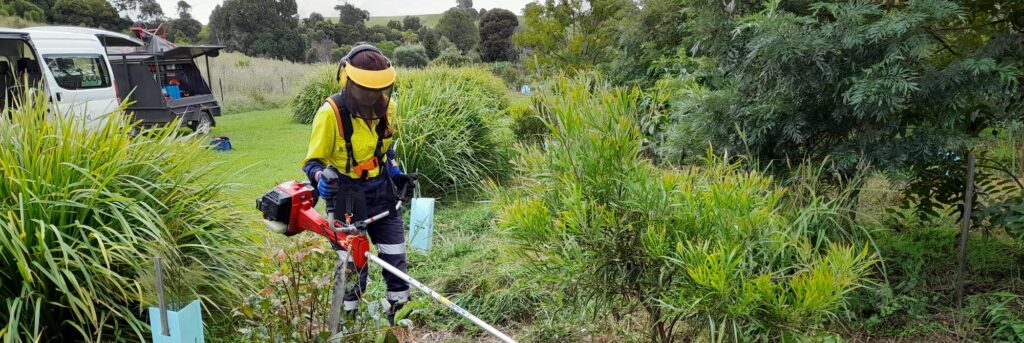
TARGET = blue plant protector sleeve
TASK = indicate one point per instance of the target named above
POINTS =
(184, 325)
(421, 223)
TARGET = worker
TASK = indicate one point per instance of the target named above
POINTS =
(353, 133)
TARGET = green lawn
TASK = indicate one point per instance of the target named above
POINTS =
(268, 149)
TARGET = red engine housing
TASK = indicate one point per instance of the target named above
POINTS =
(292, 203)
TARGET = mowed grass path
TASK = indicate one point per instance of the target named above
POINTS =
(268, 150)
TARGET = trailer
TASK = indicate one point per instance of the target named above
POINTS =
(161, 86)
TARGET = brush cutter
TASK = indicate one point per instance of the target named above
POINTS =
(288, 209)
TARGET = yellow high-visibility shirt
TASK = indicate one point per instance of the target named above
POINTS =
(327, 144)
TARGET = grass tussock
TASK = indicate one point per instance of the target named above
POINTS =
(86, 208)
(452, 128)
(317, 86)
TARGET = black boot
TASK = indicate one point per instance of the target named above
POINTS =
(395, 307)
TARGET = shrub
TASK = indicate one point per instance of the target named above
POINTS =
(451, 128)
(294, 306)
(412, 56)
(526, 123)
(715, 247)
(316, 87)
(386, 47)
(86, 208)
(340, 52)
(510, 72)
(453, 57)
(295, 302)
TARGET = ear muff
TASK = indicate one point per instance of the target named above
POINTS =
(355, 50)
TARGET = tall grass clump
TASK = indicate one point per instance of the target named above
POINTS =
(709, 253)
(84, 210)
(315, 88)
(452, 128)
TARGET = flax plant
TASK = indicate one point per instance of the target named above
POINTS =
(84, 210)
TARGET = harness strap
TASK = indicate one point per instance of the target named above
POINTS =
(344, 119)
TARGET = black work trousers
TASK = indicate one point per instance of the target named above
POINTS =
(388, 235)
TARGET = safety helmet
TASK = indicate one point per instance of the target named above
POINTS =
(366, 82)
(369, 79)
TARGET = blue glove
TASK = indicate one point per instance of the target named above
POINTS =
(327, 183)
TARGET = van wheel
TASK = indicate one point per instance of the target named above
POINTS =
(204, 124)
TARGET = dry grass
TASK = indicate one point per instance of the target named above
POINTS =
(251, 83)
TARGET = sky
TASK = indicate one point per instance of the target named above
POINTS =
(201, 8)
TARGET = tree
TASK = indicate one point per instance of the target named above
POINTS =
(23, 9)
(380, 33)
(429, 39)
(906, 87)
(411, 23)
(46, 6)
(145, 10)
(267, 28)
(459, 28)
(395, 25)
(467, 6)
(813, 88)
(650, 42)
(453, 57)
(184, 9)
(351, 24)
(571, 34)
(150, 10)
(496, 29)
(313, 19)
(185, 29)
(352, 15)
(88, 13)
(412, 56)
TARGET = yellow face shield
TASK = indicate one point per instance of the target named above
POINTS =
(371, 79)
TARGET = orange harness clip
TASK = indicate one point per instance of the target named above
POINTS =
(367, 166)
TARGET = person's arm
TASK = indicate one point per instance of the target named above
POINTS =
(390, 161)
(321, 143)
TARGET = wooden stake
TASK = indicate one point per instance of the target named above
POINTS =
(164, 330)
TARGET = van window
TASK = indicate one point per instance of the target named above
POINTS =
(79, 71)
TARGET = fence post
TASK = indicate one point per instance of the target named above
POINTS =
(222, 99)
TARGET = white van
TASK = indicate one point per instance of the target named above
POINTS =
(72, 69)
